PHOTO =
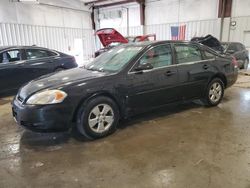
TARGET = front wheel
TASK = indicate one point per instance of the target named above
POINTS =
(214, 92)
(98, 118)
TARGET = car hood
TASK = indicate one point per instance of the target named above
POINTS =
(109, 35)
(209, 41)
(59, 79)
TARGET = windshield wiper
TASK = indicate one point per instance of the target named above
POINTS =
(93, 69)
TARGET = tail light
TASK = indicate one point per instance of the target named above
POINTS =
(234, 62)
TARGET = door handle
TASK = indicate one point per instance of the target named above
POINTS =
(205, 66)
(170, 73)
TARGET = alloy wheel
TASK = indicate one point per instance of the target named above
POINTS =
(215, 92)
(101, 117)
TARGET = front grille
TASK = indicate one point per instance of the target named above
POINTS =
(26, 124)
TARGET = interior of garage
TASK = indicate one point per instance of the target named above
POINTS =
(180, 145)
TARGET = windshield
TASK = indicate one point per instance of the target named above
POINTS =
(113, 60)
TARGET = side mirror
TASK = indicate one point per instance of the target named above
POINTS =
(145, 66)
(230, 51)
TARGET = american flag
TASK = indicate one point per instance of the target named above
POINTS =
(178, 32)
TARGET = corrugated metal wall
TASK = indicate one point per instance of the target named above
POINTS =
(163, 31)
(60, 38)
(133, 31)
(57, 38)
(240, 32)
(193, 28)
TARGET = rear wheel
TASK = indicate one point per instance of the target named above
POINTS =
(98, 118)
(214, 92)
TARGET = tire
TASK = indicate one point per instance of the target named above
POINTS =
(214, 92)
(98, 118)
(245, 65)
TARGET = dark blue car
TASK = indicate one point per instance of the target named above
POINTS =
(20, 64)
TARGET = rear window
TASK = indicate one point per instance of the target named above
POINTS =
(232, 47)
(187, 53)
(37, 53)
(209, 55)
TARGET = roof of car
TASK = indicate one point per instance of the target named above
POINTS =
(10, 47)
(146, 43)
(231, 43)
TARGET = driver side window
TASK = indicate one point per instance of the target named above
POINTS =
(159, 56)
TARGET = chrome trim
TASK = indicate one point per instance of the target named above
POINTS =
(177, 65)
(134, 72)
(194, 62)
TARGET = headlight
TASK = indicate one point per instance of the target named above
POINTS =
(47, 97)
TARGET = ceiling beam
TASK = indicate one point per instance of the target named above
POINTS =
(116, 3)
(94, 2)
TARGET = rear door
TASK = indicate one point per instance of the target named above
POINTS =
(155, 87)
(39, 62)
(240, 54)
(236, 50)
(244, 52)
(194, 70)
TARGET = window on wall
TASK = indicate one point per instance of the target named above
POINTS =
(159, 56)
(187, 53)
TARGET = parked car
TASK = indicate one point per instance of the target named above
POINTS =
(111, 38)
(239, 51)
(20, 64)
(211, 42)
(235, 49)
(128, 80)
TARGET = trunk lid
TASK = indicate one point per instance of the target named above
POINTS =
(110, 35)
(209, 41)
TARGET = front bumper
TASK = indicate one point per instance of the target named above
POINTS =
(42, 118)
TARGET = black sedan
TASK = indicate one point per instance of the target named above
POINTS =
(20, 64)
(239, 51)
(122, 82)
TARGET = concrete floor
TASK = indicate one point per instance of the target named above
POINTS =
(181, 146)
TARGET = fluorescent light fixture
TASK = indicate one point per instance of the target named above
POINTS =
(29, 1)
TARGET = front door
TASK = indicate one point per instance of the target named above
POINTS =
(11, 73)
(157, 86)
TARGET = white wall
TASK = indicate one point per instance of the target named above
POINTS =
(240, 15)
(64, 29)
(133, 12)
(35, 14)
(241, 8)
(172, 11)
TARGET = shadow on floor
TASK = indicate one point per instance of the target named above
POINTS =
(33, 139)
(44, 139)
(160, 112)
